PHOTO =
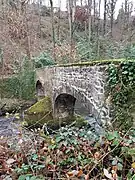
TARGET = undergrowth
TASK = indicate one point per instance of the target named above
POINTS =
(22, 85)
(69, 153)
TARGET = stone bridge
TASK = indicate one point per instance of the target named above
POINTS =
(71, 86)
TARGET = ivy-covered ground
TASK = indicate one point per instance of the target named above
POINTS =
(69, 153)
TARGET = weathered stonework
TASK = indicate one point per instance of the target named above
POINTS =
(85, 83)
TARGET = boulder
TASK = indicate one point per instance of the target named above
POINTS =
(40, 113)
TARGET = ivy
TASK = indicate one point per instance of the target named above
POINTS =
(122, 86)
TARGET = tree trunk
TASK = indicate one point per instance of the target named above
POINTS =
(53, 32)
(104, 24)
(40, 5)
(81, 3)
(59, 14)
(70, 16)
(89, 23)
(27, 38)
(112, 8)
(2, 8)
(126, 7)
(112, 16)
(94, 8)
(98, 27)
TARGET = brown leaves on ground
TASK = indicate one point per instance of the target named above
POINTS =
(56, 159)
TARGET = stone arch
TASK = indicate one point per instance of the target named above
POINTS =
(64, 106)
(66, 89)
(40, 91)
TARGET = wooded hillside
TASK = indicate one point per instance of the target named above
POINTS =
(81, 33)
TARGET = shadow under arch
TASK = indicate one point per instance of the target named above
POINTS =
(80, 100)
(40, 92)
(64, 106)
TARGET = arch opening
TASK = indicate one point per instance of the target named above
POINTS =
(64, 106)
(39, 89)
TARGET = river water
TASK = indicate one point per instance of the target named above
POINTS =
(9, 126)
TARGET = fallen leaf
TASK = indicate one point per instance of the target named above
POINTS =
(52, 141)
(107, 174)
(48, 159)
(97, 155)
(20, 141)
(72, 173)
(87, 177)
(115, 176)
(1, 137)
(115, 168)
(133, 165)
(80, 172)
(10, 161)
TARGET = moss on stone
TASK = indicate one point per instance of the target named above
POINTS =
(43, 106)
(80, 121)
(91, 63)
(39, 113)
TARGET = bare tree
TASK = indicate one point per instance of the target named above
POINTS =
(89, 19)
(105, 15)
(59, 16)
(94, 8)
(81, 1)
(53, 32)
(111, 10)
(98, 26)
(39, 7)
(124, 18)
(26, 27)
(128, 10)
(18, 26)
(71, 18)
(2, 8)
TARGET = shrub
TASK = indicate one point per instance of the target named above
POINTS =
(44, 59)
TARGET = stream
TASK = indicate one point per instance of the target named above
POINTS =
(10, 125)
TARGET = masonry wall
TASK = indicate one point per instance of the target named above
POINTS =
(86, 83)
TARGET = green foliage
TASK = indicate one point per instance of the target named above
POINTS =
(22, 85)
(122, 84)
(103, 48)
(69, 139)
(44, 59)
(129, 52)
(71, 149)
(85, 50)
(30, 177)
